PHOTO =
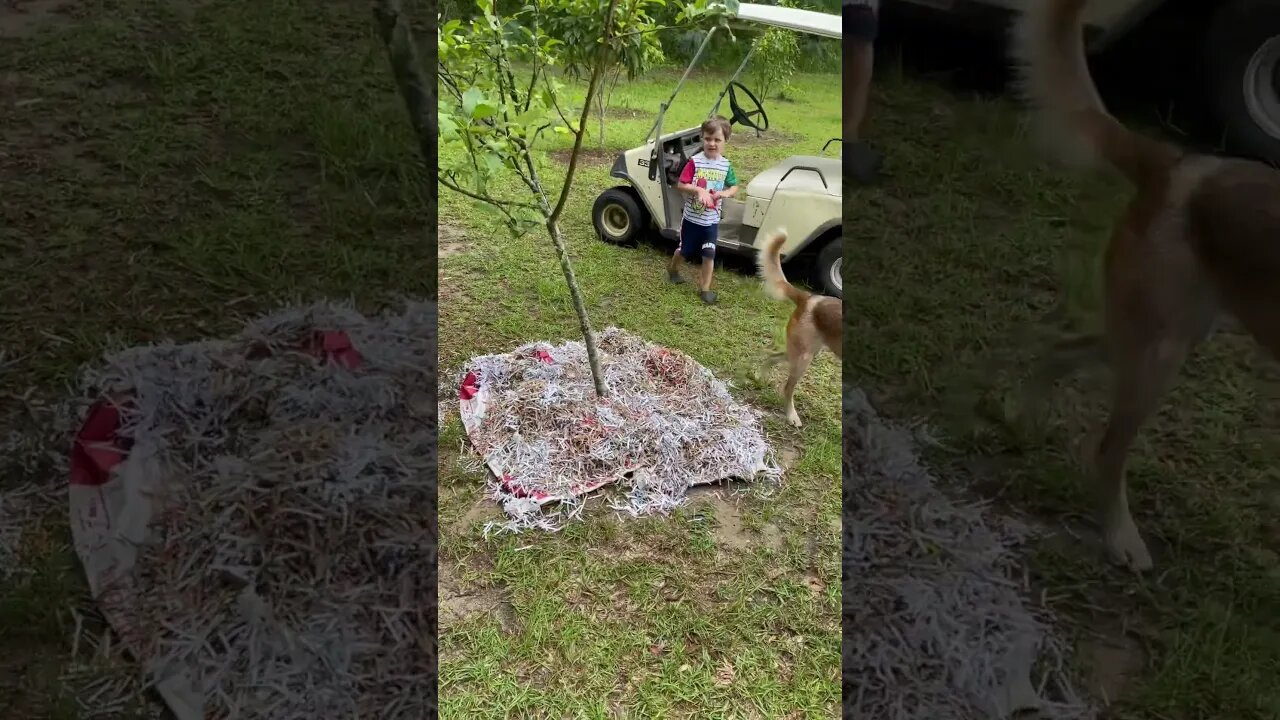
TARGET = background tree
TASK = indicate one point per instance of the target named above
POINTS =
(634, 47)
(777, 54)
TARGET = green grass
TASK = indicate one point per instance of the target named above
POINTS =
(716, 612)
(170, 169)
(962, 262)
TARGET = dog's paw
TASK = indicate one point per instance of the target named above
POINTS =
(1126, 547)
(794, 419)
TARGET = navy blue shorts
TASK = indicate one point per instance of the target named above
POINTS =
(698, 240)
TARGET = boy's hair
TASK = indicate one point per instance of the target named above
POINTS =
(717, 122)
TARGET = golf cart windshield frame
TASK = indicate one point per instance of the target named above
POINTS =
(655, 132)
(802, 21)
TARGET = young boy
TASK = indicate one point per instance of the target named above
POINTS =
(706, 179)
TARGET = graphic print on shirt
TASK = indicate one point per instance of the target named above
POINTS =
(710, 174)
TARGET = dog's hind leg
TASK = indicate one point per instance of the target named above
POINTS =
(1141, 376)
(799, 360)
(1158, 308)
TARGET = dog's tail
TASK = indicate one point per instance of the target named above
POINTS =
(1049, 56)
(769, 260)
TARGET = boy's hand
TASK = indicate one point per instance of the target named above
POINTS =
(706, 197)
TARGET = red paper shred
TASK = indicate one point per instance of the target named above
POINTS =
(96, 448)
(335, 346)
(470, 386)
(509, 485)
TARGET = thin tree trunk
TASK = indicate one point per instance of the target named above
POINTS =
(419, 94)
(570, 279)
(588, 335)
(553, 217)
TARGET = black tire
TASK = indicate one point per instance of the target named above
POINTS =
(826, 268)
(619, 217)
(1250, 116)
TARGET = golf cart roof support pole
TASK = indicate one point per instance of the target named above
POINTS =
(701, 48)
(736, 73)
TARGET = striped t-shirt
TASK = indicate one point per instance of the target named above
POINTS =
(711, 174)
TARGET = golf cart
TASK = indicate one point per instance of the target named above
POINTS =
(802, 193)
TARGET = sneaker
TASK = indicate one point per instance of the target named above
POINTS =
(861, 162)
(675, 278)
(708, 297)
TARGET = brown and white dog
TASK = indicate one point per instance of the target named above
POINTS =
(815, 323)
(1199, 240)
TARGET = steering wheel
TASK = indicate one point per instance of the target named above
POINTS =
(743, 117)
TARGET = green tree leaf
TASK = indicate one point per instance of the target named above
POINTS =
(473, 98)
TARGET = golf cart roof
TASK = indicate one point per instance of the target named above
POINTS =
(805, 21)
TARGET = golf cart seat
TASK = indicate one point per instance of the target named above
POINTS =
(811, 172)
(673, 163)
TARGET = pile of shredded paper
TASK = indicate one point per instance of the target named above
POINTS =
(935, 622)
(256, 516)
(665, 424)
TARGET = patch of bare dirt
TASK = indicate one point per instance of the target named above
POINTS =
(741, 136)
(24, 18)
(452, 290)
(458, 605)
(787, 457)
(482, 509)
(1112, 630)
(814, 582)
(587, 156)
(748, 136)
(1115, 661)
(730, 531)
(78, 158)
(450, 281)
(42, 132)
(627, 112)
(452, 240)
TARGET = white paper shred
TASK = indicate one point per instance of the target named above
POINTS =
(272, 545)
(666, 425)
(935, 625)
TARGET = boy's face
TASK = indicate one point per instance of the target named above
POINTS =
(712, 142)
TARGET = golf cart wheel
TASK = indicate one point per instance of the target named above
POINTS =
(826, 268)
(618, 217)
(1243, 58)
